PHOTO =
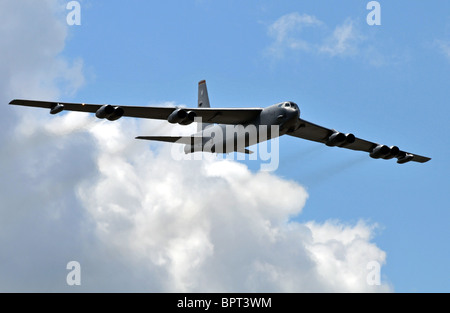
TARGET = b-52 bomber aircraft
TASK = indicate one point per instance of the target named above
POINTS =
(284, 116)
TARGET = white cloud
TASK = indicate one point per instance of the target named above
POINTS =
(340, 251)
(444, 47)
(38, 211)
(286, 33)
(75, 188)
(32, 39)
(343, 41)
(215, 226)
(290, 34)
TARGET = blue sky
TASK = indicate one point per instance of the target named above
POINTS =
(387, 83)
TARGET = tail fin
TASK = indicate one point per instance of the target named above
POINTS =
(203, 101)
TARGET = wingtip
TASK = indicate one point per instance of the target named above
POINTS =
(423, 159)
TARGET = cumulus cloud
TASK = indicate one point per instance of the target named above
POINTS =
(343, 41)
(444, 47)
(212, 225)
(290, 34)
(76, 188)
(32, 40)
(286, 33)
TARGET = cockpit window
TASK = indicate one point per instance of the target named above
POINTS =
(287, 105)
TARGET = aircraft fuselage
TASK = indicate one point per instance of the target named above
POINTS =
(272, 122)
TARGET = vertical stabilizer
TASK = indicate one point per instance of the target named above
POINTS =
(203, 101)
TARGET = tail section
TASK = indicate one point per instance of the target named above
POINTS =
(203, 101)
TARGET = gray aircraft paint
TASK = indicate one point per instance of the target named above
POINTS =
(273, 121)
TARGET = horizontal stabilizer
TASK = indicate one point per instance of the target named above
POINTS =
(189, 140)
(246, 151)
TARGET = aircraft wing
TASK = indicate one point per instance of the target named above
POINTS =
(208, 115)
(333, 138)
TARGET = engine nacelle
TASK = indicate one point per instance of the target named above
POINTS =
(177, 116)
(404, 158)
(394, 151)
(182, 117)
(189, 118)
(385, 152)
(380, 151)
(340, 139)
(57, 108)
(349, 138)
(118, 113)
(109, 112)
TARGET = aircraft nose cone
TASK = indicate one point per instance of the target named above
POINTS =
(291, 113)
(290, 119)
